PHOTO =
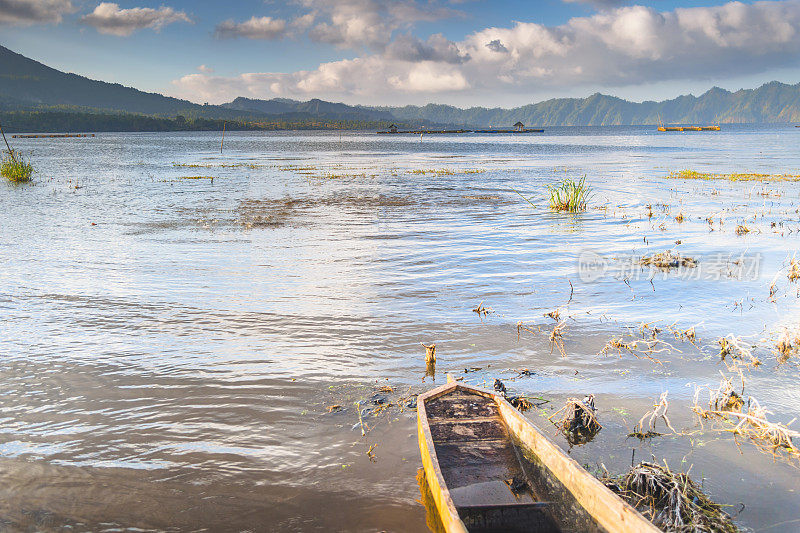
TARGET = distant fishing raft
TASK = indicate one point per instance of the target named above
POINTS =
(689, 128)
(519, 127)
(52, 135)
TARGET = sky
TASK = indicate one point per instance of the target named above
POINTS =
(493, 53)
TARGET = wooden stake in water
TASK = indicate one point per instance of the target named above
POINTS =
(223, 137)
(10, 151)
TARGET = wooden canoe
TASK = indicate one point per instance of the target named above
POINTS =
(489, 469)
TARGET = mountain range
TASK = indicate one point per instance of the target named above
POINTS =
(27, 86)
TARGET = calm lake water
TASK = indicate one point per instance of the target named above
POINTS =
(170, 347)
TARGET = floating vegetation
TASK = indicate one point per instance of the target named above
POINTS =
(481, 197)
(435, 171)
(742, 230)
(578, 420)
(794, 270)
(680, 218)
(723, 398)
(767, 435)
(14, 168)
(733, 351)
(694, 175)
(668, 260)
(569, 195)
(672, 501)
(648, 344)
(196, 178)
(555, 314)
(557, 338)
(371, 453)
(216, 165)
(335, 176)
(639, 348)
(659, 411)
(267, 213)
(369, 403)
(278, 212)
(520, 402)
(787, 346)
(728, 405)
(688, 334)
(482, 310)
(298, 168)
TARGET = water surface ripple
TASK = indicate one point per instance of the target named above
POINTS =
(170, 347)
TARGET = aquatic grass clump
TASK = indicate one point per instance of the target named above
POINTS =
(729, 406)
(668, 260)
(733, 352)
(569, 195)
(671, 500)
(578, 420)
(659, 410)
(15, 168)
(735, 176)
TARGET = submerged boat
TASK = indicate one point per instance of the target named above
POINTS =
(489, 469)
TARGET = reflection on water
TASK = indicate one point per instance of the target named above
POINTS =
(169, 345)
(432, 519)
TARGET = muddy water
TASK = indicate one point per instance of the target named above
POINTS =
(170, 347)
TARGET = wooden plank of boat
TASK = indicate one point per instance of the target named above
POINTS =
(489, 469)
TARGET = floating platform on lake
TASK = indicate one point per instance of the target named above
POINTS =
(52, 135)
(509, 131)
(425, 132)
(689, 128)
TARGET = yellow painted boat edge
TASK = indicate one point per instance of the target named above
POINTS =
(609, 510)
(430, 463)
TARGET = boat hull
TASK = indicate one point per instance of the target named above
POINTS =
(489, 469)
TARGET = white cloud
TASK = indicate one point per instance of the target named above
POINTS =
(617, 48)
(108, 18)
(304, 22)
(255, 28)
(361, 77)
(429, 77)
(367, 23)
(27, 12)
(206, 69)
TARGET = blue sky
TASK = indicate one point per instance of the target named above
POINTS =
(464, 52)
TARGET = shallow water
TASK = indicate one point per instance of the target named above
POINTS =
(170, 346)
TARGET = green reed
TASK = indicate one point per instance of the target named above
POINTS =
(569, 195)
(14, 168)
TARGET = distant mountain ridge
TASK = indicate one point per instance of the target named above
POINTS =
(29, 86)
(27, 83)
(313, 107)
(773, 102)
